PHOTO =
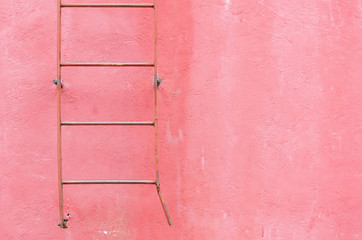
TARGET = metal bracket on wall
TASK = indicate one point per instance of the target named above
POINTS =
(63, 223)
(58, 83)
(157, 81)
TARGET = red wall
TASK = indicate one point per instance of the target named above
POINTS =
(260, 121)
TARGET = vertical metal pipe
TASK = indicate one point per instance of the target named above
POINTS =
(59, 138)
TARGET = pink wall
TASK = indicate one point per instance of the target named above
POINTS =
(260, 121)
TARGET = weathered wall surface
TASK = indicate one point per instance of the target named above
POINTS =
(260, 121)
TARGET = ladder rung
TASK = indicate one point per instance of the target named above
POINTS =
(106, 123)
(126, 5)
(109, 64)
(109, 182)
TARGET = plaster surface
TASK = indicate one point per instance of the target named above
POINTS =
(259, 117)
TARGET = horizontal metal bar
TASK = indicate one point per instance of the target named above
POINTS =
(106, 123)
(107, 64)
(109, 182)
(125, 5)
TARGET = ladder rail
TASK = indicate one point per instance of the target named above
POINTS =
(62, 220)
(155, 61)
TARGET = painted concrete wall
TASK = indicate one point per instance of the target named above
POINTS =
(260, 121)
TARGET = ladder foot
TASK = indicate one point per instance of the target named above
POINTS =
(63, 223)
(168, 217)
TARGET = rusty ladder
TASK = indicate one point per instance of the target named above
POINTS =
(60, 123)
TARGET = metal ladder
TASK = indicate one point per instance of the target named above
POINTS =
(60, 123)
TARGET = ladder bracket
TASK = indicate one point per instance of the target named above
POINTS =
(63, 224)
(158, 81)
(58, 83)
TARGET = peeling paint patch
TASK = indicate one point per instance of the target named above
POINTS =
(180, 134)
(227, 4)
(203, 158)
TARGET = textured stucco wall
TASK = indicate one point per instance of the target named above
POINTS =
(260, 120)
